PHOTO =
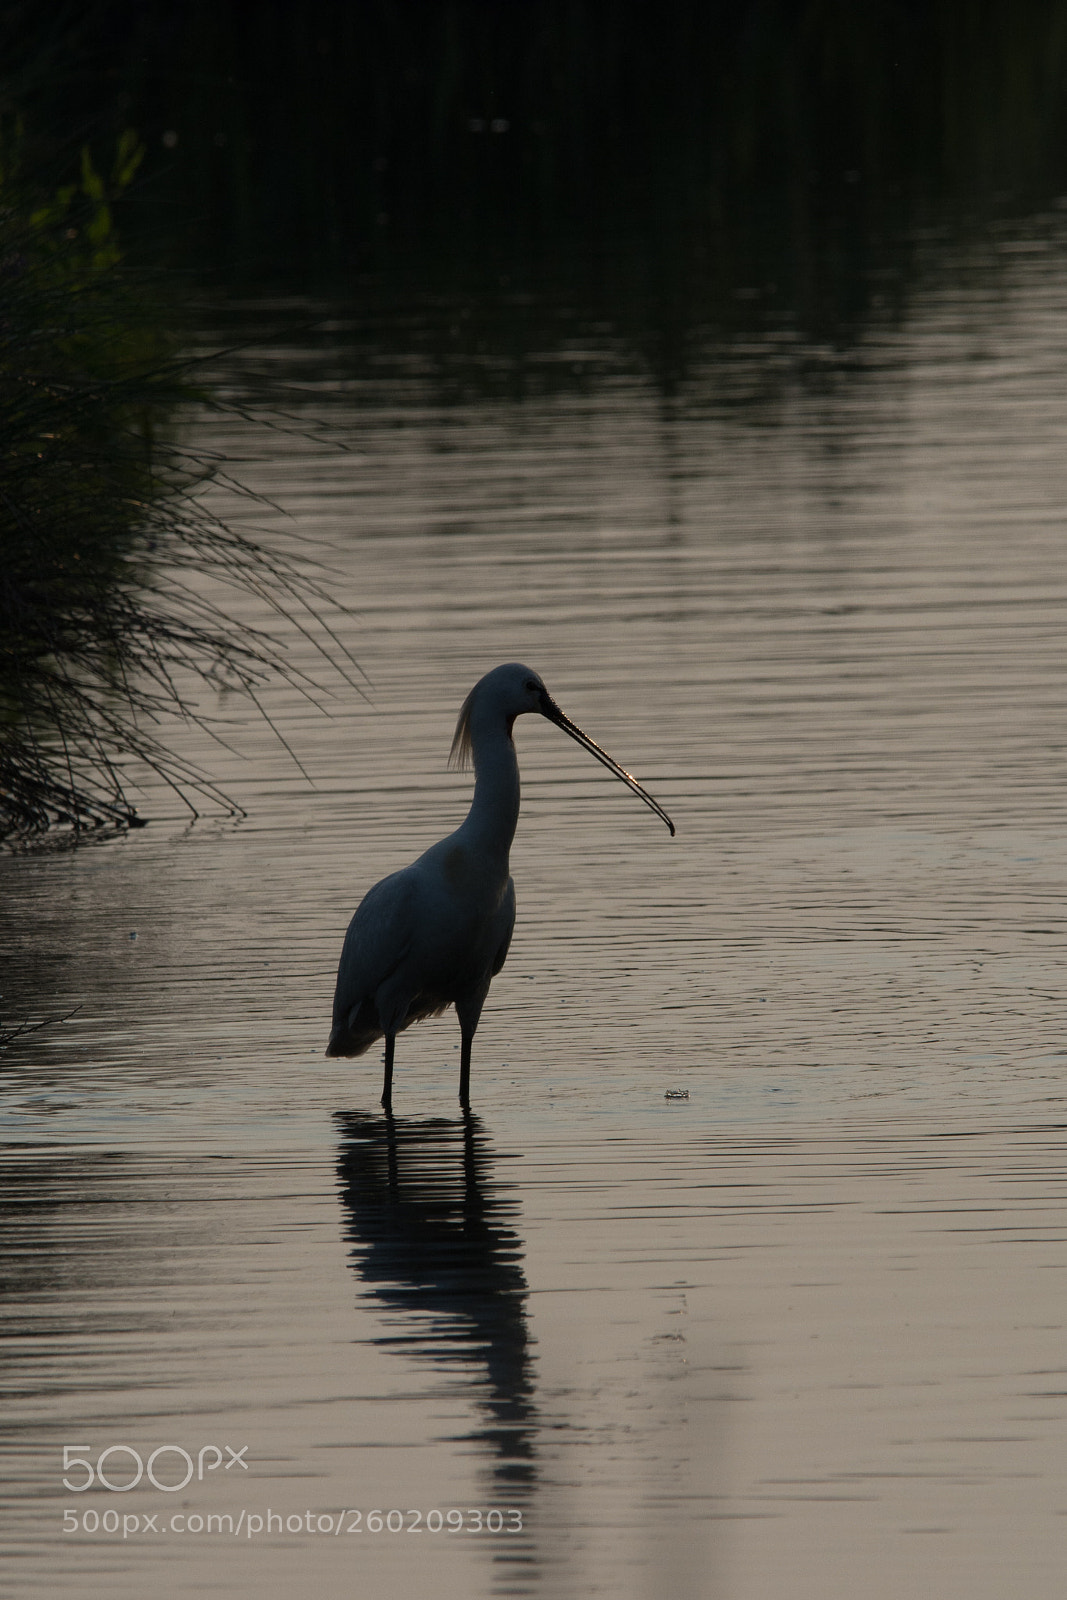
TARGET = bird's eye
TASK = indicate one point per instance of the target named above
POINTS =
(533, 685)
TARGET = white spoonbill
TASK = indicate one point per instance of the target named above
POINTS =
(437, 933)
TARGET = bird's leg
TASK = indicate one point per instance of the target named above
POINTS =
(467, 1037)
(387, 1088)
(468, 1010)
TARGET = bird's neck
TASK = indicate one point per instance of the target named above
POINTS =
(494, 810)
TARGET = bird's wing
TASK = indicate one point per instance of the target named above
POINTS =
(379, 938)
(507, 912)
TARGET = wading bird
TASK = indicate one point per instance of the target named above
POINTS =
(437, 933)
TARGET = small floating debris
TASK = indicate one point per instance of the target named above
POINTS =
(676, 1094)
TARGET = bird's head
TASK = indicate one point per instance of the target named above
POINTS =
(505, 693)
(509, 691)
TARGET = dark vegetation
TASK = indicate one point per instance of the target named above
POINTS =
(649, 140)
(105, 541)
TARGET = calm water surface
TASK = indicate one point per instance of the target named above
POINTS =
(805, 1325)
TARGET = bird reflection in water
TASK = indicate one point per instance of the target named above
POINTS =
(433, 1245)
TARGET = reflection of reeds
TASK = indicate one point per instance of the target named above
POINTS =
(681, 152)
(107, 545)
(9, 1033)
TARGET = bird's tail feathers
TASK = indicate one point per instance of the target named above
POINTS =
(349, 1041)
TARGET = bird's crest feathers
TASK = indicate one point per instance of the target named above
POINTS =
(461, 755)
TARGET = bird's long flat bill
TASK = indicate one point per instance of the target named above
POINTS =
(551, 710)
